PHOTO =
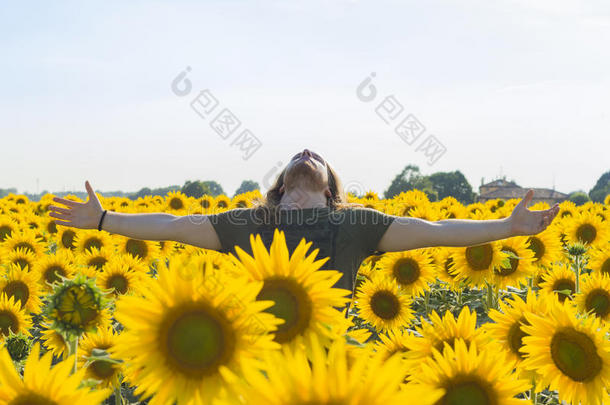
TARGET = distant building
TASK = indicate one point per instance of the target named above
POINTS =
(506, 190)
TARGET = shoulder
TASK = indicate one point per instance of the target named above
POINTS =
(363, 216)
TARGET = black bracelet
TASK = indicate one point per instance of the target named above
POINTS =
(99, 227)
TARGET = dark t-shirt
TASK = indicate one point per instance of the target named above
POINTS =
(347, 236)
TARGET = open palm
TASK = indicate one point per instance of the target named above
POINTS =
(78, 215)
(526, 222)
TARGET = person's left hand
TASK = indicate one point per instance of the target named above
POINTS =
(525, 222)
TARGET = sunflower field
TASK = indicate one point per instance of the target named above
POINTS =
(88, 317)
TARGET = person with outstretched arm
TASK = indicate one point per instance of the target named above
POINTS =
(306, 201)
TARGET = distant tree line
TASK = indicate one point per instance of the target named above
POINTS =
(436, 186)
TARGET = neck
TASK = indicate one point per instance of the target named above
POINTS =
(300, 198)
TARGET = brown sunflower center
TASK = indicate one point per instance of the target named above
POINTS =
(176, 203)
(516, 335)
(197, 339)
(52, 273)
(564, 284)
(67, 239)
(8, 320)
(468, 390)
(102, 369)
(222, 204)
(17, 289)
(31, 398)
(479, 257)
(5, 232)
(93, 243)
(118, 282)
(98, 262)
(514, 264)
(406, 271)
(606, 267)
(440, 344)
(575, 354)
(137, 248)
(385, 304)
(536, 245)
(598, 300)
(22, 262)
(205, 203)
(292, 304)
(27, 246)
(448, 267)
(405, 212)
(586, 233)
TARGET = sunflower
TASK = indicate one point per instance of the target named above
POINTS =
(520, 263)
(54, 341)
(49, 226)
(587, 228)
(22, 258)
(145, 250)
(23, 286)
(166, 247)
(600, 260)
(476, 263)
(507, 331)
(42, 384)
(175, 201)
(469, 374)
(105, 371)
(383, 304)
(190, 333)
(242, 201)
(206, 202)
(118, 278)
(571, 354)
(95, 258)
(446, 269)
(558, 281)
(76, 306)
(455, 211)
(23, 239)
(594, 295)
(392, 343)
(437, 331)
(304, 296)
(87, 239)
(12, 317)
(51, 268)
(329, 378)
(365, 271)
(221, 203)
(7, 227)
(567, 209)
(65, 237)
(412, 270)
(546, 246)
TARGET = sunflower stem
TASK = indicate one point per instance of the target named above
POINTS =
(118, 398)
(426, 301)
(577, 270)
(533, 394)
(73, 348)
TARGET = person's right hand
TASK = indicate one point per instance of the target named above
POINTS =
(79, 215)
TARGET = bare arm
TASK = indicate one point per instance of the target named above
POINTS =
(415, 233)
(194, 230)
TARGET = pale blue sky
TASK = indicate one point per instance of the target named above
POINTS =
(510, 87)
